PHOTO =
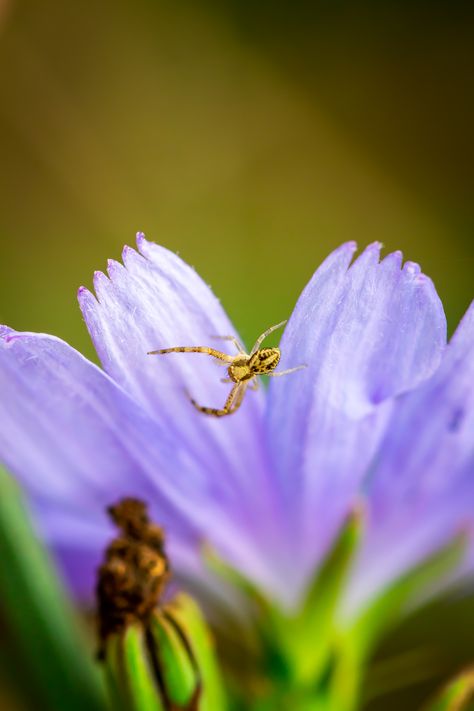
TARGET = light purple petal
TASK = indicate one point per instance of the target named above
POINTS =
(368, 333)
(78, 442)
(155, 301)
(59, 420)
(421, 490)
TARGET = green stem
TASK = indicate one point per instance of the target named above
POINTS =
(49, 650)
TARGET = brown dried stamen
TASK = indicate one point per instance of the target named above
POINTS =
(132, 578)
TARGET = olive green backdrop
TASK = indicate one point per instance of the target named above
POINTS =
(252, 140)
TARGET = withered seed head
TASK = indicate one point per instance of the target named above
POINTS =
(135, 570)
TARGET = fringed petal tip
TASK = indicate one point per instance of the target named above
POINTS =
(375, 247)
(131, 259)
(143, 244)
(346, 248)
(87, 300)
(141, 239)
(147, 247)
(372, 254)
(412, 268)
(114, 268)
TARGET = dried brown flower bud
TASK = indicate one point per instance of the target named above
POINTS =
(132, 578)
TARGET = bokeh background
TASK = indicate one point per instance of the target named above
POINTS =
(250, 137)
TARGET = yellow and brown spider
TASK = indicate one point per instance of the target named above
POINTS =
(242, 369)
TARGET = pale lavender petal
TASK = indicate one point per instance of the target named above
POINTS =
(78, 442)
(154, 300)
(60, 417)
(404, 542)
(421, 489)
(368, 333)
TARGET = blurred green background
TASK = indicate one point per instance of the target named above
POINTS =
(253, 138)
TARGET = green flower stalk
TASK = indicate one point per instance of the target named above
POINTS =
(456, 695)
(46, 651)
(158, 656)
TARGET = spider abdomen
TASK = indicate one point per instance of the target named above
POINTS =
(264, 361)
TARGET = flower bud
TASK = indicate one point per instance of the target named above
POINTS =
(157, 656)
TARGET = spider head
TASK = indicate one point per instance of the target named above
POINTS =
(264, 361)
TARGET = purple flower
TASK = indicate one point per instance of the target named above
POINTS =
(384, 412)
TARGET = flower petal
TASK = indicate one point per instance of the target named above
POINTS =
(78, 442)
(421, 491)
(367, 333)
(71, 434)
(155, 301)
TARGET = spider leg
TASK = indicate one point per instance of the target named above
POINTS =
(286, 372)
(232, 404)
(255, 384)
(240, 390)
(264, 335)
(233, 340)
(221, 364)
(195, 349)
(227, 380)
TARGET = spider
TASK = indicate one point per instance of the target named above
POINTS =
(242, 369)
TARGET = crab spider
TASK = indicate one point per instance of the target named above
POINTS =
(242, 369)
